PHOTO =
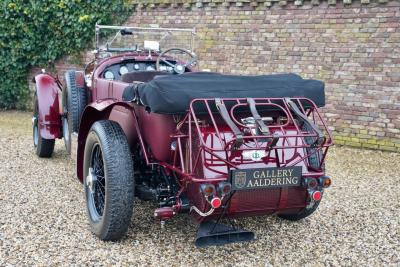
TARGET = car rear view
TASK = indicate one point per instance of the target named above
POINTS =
(244, 156)
(141, 122)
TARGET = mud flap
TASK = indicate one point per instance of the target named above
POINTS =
(215, 234)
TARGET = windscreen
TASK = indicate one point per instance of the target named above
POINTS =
(122, 39)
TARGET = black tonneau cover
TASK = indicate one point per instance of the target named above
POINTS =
(172, 94)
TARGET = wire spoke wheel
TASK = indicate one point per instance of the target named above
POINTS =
(96, 183)
(108, 180)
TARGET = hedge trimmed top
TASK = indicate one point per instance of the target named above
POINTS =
(34, 33)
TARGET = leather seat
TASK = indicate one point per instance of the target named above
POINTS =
(142, 76)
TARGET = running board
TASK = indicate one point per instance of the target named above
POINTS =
(215, 234)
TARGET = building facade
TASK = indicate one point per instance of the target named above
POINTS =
(353, 46)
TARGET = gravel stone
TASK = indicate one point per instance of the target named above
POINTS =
(43, 217)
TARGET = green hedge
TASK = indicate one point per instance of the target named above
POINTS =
(34, 33)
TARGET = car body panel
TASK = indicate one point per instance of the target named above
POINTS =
(107, 109)
(47, 91)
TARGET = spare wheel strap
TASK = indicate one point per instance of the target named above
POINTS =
(225, 115)
(260, 123)
(321, 137)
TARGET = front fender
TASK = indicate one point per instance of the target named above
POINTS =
(109, 109)
(49, 111)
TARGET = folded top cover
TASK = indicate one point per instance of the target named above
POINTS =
(172, 94)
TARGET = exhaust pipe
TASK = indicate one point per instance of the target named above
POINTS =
(215, 234)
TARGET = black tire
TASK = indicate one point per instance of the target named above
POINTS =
(313, 160)
(43, 147)
(74, 100)
(109, 190)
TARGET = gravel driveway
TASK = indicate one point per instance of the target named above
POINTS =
(43, 217)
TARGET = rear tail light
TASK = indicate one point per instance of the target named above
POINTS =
(207, 189)
(224, 188)
(310, 183)
(325, 181)
(316, 195)
(216, 202)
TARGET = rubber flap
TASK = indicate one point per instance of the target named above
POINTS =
(212, 234)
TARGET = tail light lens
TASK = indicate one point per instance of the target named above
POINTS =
(316, 195)
(207, 189)
(310, 183)
(224, 188)
(325, 181)
(215, 202)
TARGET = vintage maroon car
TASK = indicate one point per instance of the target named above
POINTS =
(141, 122)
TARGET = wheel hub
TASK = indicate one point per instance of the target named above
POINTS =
(35, 131)
(91, 180)
(65, 129)
(34, 120)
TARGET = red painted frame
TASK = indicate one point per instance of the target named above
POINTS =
(290, 142)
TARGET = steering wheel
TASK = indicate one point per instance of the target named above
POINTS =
(178, 68)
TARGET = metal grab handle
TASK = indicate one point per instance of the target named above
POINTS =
(321, 137)
(225, 115)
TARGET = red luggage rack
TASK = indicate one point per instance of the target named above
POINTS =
(219, 117)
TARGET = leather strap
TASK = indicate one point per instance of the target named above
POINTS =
(225, 115)
(260, 123)
(321, 137)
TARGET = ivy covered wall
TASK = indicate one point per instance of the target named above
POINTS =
(36, 33)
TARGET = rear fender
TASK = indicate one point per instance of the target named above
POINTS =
(80, 79)
(119, 112)
(47, 90)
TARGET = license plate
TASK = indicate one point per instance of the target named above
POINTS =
(246, 179)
